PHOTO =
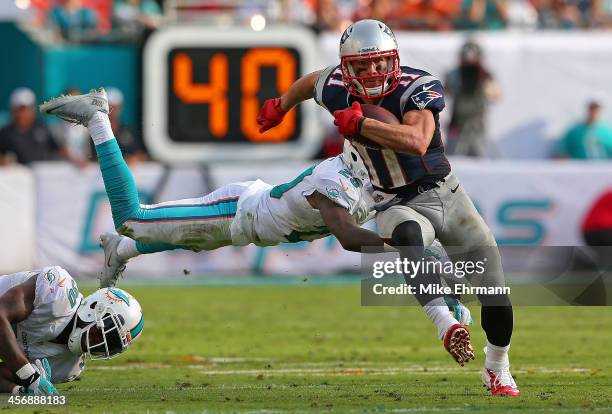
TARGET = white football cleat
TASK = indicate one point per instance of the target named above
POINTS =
(114, 265)
(77, 108)
(500, 382)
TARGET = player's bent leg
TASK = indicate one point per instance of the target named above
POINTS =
(410, 233)
(92, 110)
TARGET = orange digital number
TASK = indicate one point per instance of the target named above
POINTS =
(250, 76)
(213, 93)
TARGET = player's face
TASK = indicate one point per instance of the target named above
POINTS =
(371, 67)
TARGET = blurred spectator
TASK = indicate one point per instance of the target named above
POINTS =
(130, 143)
(24, 140)
(589, 139)
(483, 15)
(597, 224)
(435, 15)
(522, 15)
(472, 88)
(597, 233)
(601, 14)
(74, 21)
(72, 139)
(133, 19)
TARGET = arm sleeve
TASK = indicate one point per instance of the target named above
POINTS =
(53, 296)
(319, 94)
(339, 190)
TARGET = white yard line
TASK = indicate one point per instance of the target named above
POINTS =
(337, 370)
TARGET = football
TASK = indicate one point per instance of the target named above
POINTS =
(380, 114)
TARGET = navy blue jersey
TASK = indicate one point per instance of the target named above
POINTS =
(389, 170)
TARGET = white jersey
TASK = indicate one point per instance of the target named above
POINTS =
(56, 300)
(268, 215)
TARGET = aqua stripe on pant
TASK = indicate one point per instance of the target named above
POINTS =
(166, 218)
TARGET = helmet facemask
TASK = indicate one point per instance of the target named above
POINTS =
(104, 338)
(387, 78)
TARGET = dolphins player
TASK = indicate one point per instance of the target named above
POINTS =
(328, 198)
(47, 329)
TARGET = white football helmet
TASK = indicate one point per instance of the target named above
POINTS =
(352, 158)
(369, 40)
(113, 321)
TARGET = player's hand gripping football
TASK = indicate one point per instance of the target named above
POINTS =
(270, 114)
(348, 120)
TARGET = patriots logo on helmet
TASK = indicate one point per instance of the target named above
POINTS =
(345, 35)
(423, 98)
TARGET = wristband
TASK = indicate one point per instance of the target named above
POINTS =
(26, 375)
(360, 124)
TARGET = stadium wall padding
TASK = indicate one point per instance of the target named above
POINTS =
(17, 219)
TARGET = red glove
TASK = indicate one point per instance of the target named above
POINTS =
(270, 115)
(347, 120)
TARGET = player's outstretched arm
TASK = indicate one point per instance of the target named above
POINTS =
(16, 305)
(343, 225)
(273, 111)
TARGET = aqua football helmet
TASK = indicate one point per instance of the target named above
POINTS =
(113, 320)
(368, 42)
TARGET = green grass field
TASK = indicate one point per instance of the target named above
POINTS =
(308, 348)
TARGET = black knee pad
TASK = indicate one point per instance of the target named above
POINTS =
(408, 233)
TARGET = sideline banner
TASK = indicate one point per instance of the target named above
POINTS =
(525, 203)
(17, 212)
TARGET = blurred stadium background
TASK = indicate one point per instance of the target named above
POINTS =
(186, 78)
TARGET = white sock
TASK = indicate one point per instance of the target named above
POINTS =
(126, 249)
(496, 356)
(438, 312)
(100, 128)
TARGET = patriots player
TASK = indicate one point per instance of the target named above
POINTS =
(47, 329)
(420, 198)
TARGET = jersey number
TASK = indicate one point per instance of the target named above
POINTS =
(73, 294)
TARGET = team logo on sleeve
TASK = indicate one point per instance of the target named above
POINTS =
(333, 192)
(50, 276)
(423, 98)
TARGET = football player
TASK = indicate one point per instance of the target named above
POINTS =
(421, 198)
(47, 329)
